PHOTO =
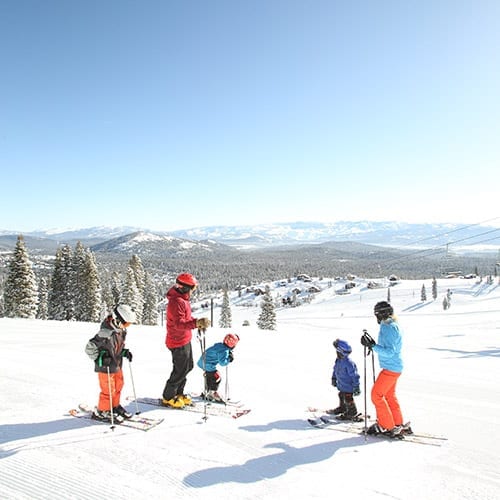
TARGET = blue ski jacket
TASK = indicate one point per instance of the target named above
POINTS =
(346, 374)
(218, 354)
(388, 346)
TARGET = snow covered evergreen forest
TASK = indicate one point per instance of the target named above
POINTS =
(78, 284)
(75, 291)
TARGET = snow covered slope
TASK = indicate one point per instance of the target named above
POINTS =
(449, 386)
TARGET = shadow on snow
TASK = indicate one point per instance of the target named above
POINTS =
(17, 432)
(492, 351)
(270, 466)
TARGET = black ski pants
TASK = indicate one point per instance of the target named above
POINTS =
(182, 361)
(213, 380)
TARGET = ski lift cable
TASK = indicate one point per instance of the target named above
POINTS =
(452, 231)
(442, 248)
(476, 236)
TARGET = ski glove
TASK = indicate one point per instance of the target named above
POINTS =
(104, 359)
(230, 356)
(334, 382)
(127, 354)
(202, 323)
(357, 391)
(366, 340)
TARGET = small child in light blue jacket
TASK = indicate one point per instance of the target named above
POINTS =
(221, 354)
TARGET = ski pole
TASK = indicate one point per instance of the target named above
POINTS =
(201, 338)
(370, 351)
(373, 365)
(110, 401)
(364, 390)
(226, 389)
(133, 388)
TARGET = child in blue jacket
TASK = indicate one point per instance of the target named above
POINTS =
(221, 354)
(345, 378)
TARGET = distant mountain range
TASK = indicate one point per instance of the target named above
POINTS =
(388, 234)
(236, 255)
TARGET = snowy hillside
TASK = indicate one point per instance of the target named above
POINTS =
(449, 387)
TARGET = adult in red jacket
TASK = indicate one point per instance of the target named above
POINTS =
(179, 334)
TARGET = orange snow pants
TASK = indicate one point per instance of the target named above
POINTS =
(385, 401)
(116, 382)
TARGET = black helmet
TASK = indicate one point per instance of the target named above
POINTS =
(383, 310)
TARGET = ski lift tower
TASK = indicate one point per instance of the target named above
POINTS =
(449, 271)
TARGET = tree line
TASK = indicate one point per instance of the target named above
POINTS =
(75, 291)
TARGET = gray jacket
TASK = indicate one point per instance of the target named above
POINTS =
(109, 342)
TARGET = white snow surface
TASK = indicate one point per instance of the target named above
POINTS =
(450, 386)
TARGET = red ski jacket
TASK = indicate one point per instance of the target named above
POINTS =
(179, 319)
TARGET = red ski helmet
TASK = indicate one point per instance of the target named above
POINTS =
(187, 280)
(231, 339)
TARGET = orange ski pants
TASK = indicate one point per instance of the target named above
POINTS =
(116, 382)
(385, 400)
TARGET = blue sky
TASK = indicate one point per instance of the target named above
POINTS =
(170, 114)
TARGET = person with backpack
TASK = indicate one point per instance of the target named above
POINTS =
(107, 350)
(345, 378)
(221, 353)
(178, 340)
(383, 395)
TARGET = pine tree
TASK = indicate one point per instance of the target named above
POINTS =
(446, 304)
(131, 294)
(150, 310)
(267, 317)
(135, 264)
(423, 294)
(2, 286)
(434, 288)
(116, 286)
(91, 289)
(57, 284)
(21, 289)
(61, 294)
(225, 320)
(79, 285)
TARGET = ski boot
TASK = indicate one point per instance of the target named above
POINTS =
(350, 417)
(377, 429)
(213, 396)
(176, 403)
(406, 428)
(105, 416)
(336, 411)
(120, 410)
(186, 399)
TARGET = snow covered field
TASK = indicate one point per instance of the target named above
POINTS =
(450, 386)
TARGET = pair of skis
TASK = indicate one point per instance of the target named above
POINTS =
(331, 423)
(231, 409)
(135, 422)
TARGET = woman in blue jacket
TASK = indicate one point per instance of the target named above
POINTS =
(388, 347)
